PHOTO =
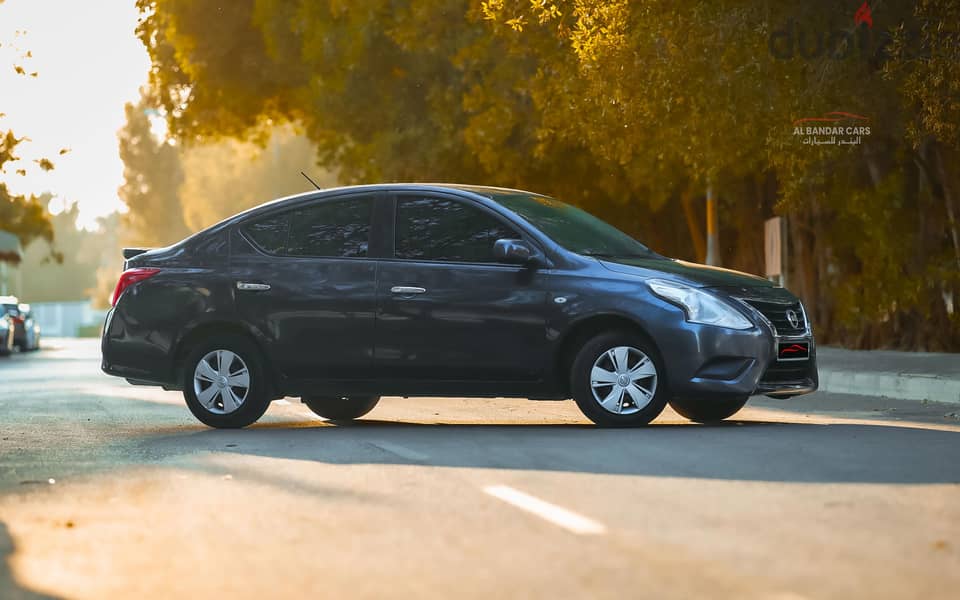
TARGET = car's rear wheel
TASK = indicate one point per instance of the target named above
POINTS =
(224, 383)
(341, 408)
(617, 380)
(708, 409)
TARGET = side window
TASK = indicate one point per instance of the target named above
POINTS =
(269, 233)
(333, 228)
(446, 230)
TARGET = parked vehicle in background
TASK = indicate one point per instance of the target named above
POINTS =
(346, 295)
(6, 334)
(26, 328)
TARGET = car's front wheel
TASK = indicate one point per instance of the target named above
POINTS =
(341, 408)
(707, 409)
(617, 380)
(224, 383)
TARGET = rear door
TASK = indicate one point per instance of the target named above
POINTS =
(447, 310)
(305, 278)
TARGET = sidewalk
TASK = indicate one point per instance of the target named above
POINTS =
(902, 375)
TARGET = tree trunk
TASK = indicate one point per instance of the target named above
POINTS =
(693, 224)
(948, 200)
(713, 226)
(803, 262)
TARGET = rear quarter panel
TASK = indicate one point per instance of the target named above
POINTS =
(151, 317)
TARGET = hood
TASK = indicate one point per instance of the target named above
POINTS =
(685, 272)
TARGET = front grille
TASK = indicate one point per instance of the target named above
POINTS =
(786, 373)
(776, 313)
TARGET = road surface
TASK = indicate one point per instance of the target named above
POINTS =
(113, 491)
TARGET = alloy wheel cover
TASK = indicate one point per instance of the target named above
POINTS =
(623, 380)
(221, 381)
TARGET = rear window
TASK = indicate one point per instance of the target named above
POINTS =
(270, 233)
(331, 229)
(326, 229)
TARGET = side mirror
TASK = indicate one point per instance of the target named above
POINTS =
(515, 252)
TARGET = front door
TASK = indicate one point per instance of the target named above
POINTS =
(446, 310)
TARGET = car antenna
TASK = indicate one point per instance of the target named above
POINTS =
(311, 181)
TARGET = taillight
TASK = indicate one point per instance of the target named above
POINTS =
(130, 277)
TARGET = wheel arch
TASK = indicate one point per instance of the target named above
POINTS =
(208, 329)
(584, 329)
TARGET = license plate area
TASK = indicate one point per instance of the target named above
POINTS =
(788, 351)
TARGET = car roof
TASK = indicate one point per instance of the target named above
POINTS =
(480, 190)
(488, 192)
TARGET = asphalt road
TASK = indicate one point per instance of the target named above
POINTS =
(112, 491)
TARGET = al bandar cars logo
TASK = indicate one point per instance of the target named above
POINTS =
(836, 128)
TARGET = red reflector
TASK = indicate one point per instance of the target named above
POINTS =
(130, 277)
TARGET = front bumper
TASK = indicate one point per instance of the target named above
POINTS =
(707, 360)
(783, 379)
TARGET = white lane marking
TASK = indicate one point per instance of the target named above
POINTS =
(557, 515)
(283, 402)
(400, 451)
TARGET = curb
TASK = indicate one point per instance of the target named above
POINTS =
(900, 386)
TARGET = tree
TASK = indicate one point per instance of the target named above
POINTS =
(20, 214)
(152, 176)
(82, 253)
(627, 108)
(223, 178)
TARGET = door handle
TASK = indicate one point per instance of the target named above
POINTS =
(407, 290)
(252, 287)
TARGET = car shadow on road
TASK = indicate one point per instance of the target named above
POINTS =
(738, 450)
(10, 589)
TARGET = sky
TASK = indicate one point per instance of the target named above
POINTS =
(89, 64)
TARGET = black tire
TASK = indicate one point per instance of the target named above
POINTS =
(341, 408)
(583, 393)
(708, 409)
(257, 398)
(6, 346)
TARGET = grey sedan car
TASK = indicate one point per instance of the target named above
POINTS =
(343, 296)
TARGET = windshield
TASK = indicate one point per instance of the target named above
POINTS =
(574, 229)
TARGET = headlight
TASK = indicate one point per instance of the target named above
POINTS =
(700, 306)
